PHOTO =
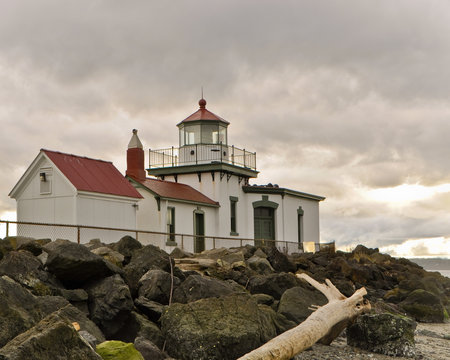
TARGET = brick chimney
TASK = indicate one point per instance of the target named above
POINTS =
(135, 158)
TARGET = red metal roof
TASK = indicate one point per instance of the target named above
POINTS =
(92, 175)
(203, 114)
(173, 190)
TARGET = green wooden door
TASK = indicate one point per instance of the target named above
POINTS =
(199, 232)
(264, 223)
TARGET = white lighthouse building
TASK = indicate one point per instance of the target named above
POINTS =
(200, 193)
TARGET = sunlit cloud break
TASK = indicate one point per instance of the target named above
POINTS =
(406, 193)
(428, 247)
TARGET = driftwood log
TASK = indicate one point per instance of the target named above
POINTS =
(325, 323)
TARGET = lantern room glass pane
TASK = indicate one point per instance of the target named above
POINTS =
(192, 134)
(210, 134)
(222, 135)
(182, 142)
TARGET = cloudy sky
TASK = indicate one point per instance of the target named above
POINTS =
(345, 99)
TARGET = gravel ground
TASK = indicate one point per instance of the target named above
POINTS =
(430, 345)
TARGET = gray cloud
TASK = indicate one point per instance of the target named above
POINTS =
(332, 95)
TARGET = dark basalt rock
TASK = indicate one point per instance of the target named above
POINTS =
(110, 304)
(126, 246)
(278, 260)
(144, 259)
(26, 269)
(387, 334)
(295, 303)
(197, 287)
(423, 306)
(74, 265)
(216, 328)
(156, 285)
(148, 350)
(54, 337)
(139, 326)
(151, 309)
(274, 284)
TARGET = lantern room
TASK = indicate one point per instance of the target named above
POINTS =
(203, 127)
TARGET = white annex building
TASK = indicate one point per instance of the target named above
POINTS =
(202, 188)
(196, 196)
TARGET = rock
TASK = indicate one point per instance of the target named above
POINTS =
(278, 260)
(110, 304)
(260, 265)
(197, 287)
(295, 303)
(17, 241)
(361, 249)
(5, 247)
(126, 246)
(263, 299)
(27, 270)
(177, 253)
(226, 255)
(139, 326)
(151, 309)
(110, 255)
(74, 264)
(118, 350)
(94, 244)
(386, 334)
(156, 285)
(19, 310)
(54, 337)
(33, 246)
(423, 306)
(281, 323)
(216, 328)
(144, 259)
(148, 350)
(274, 284)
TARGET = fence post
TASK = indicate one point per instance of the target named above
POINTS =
(182, 242)
(244, 157)
(172, 156)
(214, 242)
(137, 235)
(7, 228)
(78, 234)
(232, 154)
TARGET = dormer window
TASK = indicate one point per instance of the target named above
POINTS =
(45, 181)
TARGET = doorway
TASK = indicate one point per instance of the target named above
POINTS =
(264, 223)
(199, 232)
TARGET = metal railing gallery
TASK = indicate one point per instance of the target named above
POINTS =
(198, 154)
(82, 234)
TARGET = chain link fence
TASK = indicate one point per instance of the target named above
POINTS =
(83, 234)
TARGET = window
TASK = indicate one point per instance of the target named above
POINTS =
(233, 217)
(171, 224)
(300, 227)
(45, 181)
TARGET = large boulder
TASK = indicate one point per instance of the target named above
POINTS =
(139, 326)
(19, 310)
(74, 264)
(148, 350)
(216, 328)
(27, 270)
(274, 284)
(278, 260)
(54, 337)
(5, 247)
(118, 350)
(423, 306)
(144, 259)
(110, 304)
(156, 285)
(151, 309)
(260, 264)
(126, 246)
(110, 255)
(387, 334)
(197, 287)
(295, 303)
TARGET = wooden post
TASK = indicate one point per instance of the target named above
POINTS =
(7, 228)
(78, 234)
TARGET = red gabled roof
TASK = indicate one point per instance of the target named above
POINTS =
(92, 175)
(173, 190)
(203, 114)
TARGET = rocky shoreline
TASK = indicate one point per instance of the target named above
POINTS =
(219, 304)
